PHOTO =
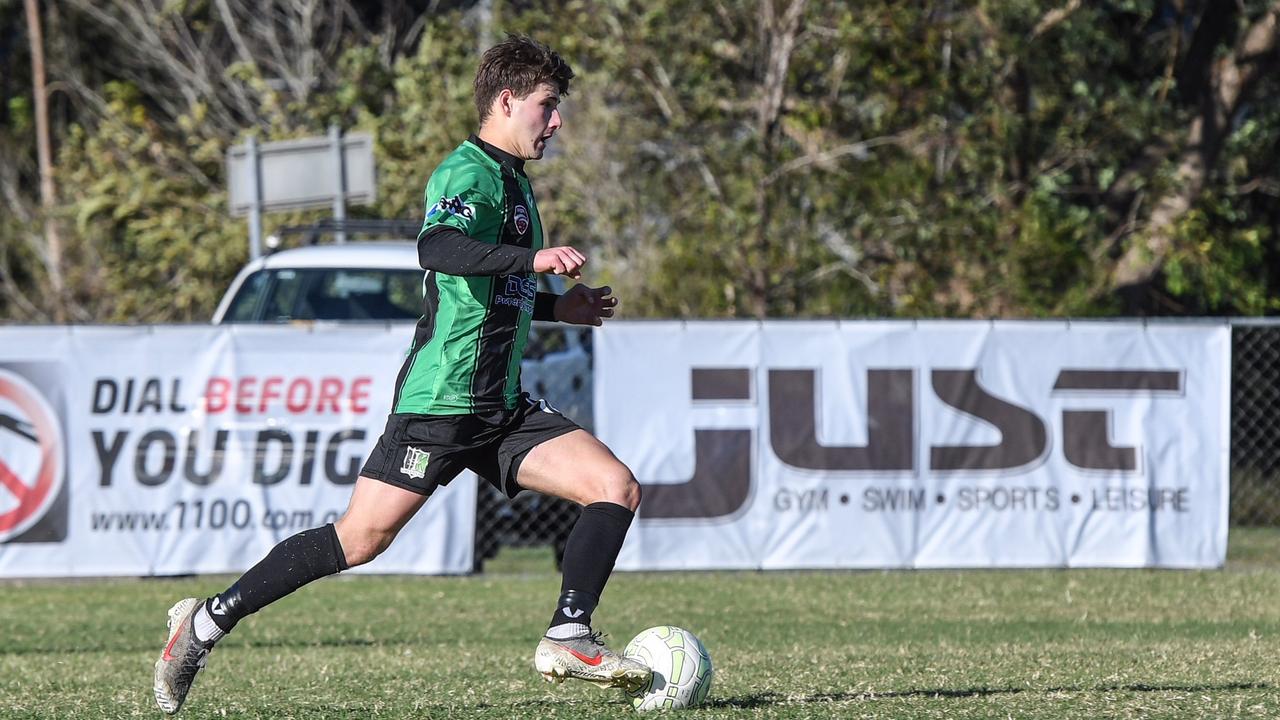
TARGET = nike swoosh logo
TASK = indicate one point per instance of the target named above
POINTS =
(592, 661)
(168, 657)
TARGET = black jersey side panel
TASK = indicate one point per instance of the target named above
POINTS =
(510, 296)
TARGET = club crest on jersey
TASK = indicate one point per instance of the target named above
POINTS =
(453, 206)
(415, 462)
(521, 217)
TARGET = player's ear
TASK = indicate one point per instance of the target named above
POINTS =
(506, 102)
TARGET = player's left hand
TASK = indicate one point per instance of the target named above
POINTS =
(582, 305)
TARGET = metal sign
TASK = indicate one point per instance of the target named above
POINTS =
(306, 173)
(295, 174)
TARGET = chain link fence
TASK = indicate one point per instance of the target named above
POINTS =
(529, 520)
(557, 368)
(1255, 423)
(564, 378)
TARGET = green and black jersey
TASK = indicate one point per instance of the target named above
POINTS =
(480, 291)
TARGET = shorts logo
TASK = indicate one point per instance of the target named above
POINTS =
(415, 463)
(521, 219)
(31, 451)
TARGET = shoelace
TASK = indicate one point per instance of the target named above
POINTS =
(191, 665)
(187, 671)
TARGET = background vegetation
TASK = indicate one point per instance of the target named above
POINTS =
(732, 158)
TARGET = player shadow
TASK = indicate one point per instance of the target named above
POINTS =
(764, 699)
(234, 646)
(251, 644)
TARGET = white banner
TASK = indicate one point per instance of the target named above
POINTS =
(930, 444)
(174, 450)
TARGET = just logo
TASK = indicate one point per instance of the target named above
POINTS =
(721, 481)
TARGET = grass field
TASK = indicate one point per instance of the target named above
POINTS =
(936, 644)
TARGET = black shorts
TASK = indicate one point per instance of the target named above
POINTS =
(423, 452)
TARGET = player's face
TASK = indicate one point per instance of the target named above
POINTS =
(534, 119)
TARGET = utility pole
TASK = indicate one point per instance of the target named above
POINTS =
(44, 155)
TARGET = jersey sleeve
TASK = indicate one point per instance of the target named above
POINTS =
(466, 202)
(446, 249)
(544, 306)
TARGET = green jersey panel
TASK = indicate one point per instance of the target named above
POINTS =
(463, 198)
(468, 346)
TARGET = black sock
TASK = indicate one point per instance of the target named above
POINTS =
(589, 555)
(294, 562)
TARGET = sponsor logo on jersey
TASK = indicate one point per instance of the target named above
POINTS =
(522, 219)
(415, 463)
(518, 292)
(452, 206)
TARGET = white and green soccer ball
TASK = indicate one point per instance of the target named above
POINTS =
(681, 668)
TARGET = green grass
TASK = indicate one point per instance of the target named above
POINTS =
(930, 644)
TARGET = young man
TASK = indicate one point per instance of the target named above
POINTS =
(458, 403)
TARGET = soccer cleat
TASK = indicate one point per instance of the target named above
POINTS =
(182, 658)
(586, 657)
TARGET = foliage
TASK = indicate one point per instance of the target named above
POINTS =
(798, 158)
(148, 216)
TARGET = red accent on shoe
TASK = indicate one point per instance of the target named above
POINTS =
(592, 661)
(167, 657)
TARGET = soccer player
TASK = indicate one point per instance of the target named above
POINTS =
(458, 403)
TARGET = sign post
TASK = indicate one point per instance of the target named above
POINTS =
(328, 171)
(339, 197)
(254, 176)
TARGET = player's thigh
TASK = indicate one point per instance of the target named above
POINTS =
(578, 467)
(375, 514)
(414, 455)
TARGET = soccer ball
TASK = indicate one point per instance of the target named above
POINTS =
(681, 668)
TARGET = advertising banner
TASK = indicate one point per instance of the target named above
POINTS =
(176, 450)
(929, 444)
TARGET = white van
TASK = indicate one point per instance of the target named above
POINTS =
(380, 281)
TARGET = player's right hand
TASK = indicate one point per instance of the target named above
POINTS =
(559, 261)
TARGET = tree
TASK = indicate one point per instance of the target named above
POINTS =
(1216, 87)
(52, 254)
(757, 159)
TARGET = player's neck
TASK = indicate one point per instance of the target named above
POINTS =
(498, 140)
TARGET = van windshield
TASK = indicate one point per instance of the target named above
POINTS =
(289, 294)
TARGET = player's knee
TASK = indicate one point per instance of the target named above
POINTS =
(366, 549)
(632, 495)
(619, 486)
(360, 545)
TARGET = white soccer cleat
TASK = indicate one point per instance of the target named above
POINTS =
(182, 658)
(586, 657)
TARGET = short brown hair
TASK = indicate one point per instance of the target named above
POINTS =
(519, 64)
